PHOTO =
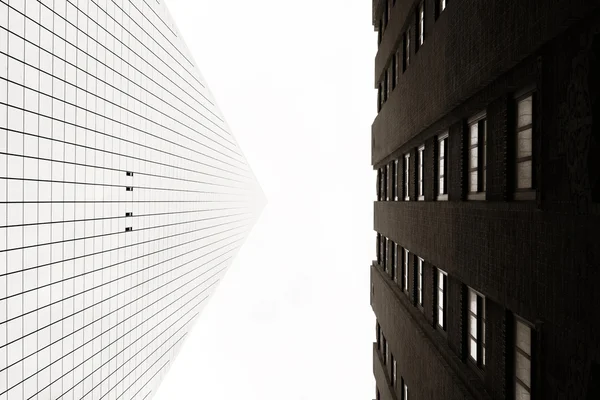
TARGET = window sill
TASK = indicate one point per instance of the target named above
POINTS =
(407, 199)
(476, 196)
(524, 195)
(442, 197)
(421, 198)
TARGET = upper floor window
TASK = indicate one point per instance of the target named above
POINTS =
(405, 266)
(406, 62)
(384, 183)
(392, 254)
(394, 72)
(387, 177)
(379, 248)
(476, 328)
(395, 180)
(404, 394)
(420, 281)
(442, 167)
(385, 249)
(395, 262)
(420, 24)
(477, 156)
(379, 96)
(523, 357)
(378, 333)
(441, 6)
(442, 282)
(524, 143)
(385, 350)
(385, 85)
(406, 177)
(420, 173)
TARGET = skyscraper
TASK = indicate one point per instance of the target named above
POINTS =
(123, 197)
(488, 199)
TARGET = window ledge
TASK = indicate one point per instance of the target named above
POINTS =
(421, 198)
(476, 196)
(442, 197)
(407, 199)
(524, 195)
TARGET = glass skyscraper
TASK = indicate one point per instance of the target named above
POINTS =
(123, 197)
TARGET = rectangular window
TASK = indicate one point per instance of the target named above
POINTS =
(395, 180)
(406, 177)
(386, 183)
(420, 24)
(442, 282)
(405, 266)
(420, 281)
(394, 71)
(379, 97)
(379, 185)
(476, 328)
(398, 63)
(378, 333)
(404, 395)
(393, 372)
(394, 262)
(385, 247)
(441, 6)
(385, 85)
(420, 191)
(523, 356)
(379, 248)
(406, 49)
(392, 255)
(477, 138)
(524, 143)
(442, 167)
(385, 349)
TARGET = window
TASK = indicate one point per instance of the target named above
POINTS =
(406, 49)
(476, 326)
(385, 245)
(404, 394)
(379, 185)
(379, 97)
(420, 24)
(394, 71)
(442, 167)
(385, 349)
(420, 190)
(420, 281)
(378, 333)
(523, 352)
(395, 180)
(379, 248)
(395, 263)
(406, 177)
(386, 183)
(441, 6)
(385, 85)
(442, 282)
(393, 372)
(524, 143)
(477, 155)
(398, 59)
(392, 254)
(405, 265)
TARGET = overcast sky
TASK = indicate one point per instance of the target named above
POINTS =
(291, 319)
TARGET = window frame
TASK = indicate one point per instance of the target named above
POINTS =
(480, 320)
(394, 180)
(442, 297)
(394, 370)
(524, 193)
(419, 273)
(440, 7)
(394, 68)
(420, 173)
(480, 120)
(395, 263)
(405, 268)
(442, 171)
(529, 357)
(406, 58)
(406, 177)
(404, 393)
(385, 249)
(420, 31)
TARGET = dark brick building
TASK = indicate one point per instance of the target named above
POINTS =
(487, 147)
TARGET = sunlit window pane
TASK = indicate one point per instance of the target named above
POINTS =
(523, 369)
(525, 112)
(524, 175)
(524, 144)
(523, 337)
(521, 393)
(473, 348)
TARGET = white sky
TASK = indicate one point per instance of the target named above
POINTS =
(291, 320)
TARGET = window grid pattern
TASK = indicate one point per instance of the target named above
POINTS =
(123, 198)
(441, 298)
(524, 143)
(476, 328)
(477, 155)
(523, 356)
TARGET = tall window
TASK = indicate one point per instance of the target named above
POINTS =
(420, 190)
(406, 49)
(378, 333)
(406, 177)
(441, 6)
(385, 248)
(379, 248)
(393, 372)
(404, 395)
(379, 97)
(385, 349)
(387, 178)
(395, 262)
(476, 324)
(385, 85)
(405, 266)
(524, 143)
(442, 282)
(392, 254)
(420, 24)
(477, 154)
(395, 180)
(442, 167)
(523, 356)
(420, 281)
(384, 183)
(379, 184)
(398, 56)
(394, 72)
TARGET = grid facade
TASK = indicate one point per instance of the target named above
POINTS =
(123, 197)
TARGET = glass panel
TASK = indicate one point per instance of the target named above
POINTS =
(473, 181)
(473, 326)
(442, 186)
(440, 280)
(442, 148)
(473, 349)
(524, 175)
(523, 337)
(473, 302)
(441, 317)
(525, 112)
(523, 368)
(473, 159)
(521, 393)
(441, 298)
(524, 144)
(474, 138)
